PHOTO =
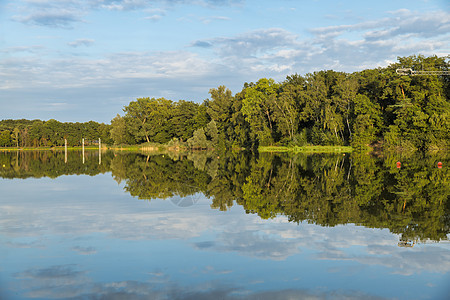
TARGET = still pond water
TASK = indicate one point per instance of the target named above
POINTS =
(199, 226)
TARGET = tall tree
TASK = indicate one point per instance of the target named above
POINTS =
(257, 107)
(119, 133)
(219, 108)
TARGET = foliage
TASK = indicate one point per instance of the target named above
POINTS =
(326, 108)
(37, 133)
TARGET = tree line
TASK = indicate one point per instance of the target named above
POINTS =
(37, 133)
(320, 108)
(373, 106)
(324, 189)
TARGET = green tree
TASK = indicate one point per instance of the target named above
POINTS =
(119, 133)
(186, 119)
(288, 106)
(367, 121)
(15, 136)
(220, 110)
(5, 138)
(149, 119)
(257, 107)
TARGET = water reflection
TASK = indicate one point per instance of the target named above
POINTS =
(234, 227)
(412, 199)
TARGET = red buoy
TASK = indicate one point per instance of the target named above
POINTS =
(399, 165)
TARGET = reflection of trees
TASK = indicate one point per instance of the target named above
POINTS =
(25, 164)
(158, 176)
(422, 198)
(327, 190)
(413, 201)
(226, 186)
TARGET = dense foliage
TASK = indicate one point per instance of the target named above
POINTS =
(37, 133)
(374, 106)
(322, 108)
(325, 189)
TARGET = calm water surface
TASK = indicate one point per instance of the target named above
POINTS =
(137, 226)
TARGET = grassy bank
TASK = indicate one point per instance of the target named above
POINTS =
(61, 148)
(151, 147)
(49, 148)
(306, 149)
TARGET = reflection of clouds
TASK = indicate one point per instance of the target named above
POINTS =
(345, 242)
(55, 272)
(204, 245)
(407, 262)
(52, 282)
(84, 250)
(252, 243)
(304, 294)
(379, 248)
(33, 244)
(246, 235)
(232, 231)
(85, 219)
(212, 270)
(66, 281)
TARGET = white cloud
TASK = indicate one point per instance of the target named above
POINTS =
(208, 20)
(255, 43)
(205, 63)
(81, 42)
(122, 4)
(276, 52)
(154, 17)
(57, 18)
(22, 49)
(64, 13)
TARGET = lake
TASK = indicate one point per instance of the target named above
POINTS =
(224, 226)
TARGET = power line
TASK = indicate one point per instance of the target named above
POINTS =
(411, 72)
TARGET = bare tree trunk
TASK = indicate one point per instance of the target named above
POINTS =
(348, 126)
(268, 116)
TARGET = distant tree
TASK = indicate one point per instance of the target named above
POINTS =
(5, 138)
(119, 133)
(15, 136)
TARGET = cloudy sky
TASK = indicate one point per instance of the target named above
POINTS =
(80, 60)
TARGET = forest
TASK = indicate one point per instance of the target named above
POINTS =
(373, 107)
(36, 133)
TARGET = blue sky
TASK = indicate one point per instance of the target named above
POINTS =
(80, 60)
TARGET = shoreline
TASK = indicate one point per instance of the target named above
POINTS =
(308, 149)
(261, 149)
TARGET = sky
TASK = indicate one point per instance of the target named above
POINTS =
(81, 60)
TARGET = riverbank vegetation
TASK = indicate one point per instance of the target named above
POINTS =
(45, 134)
(324, 108)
